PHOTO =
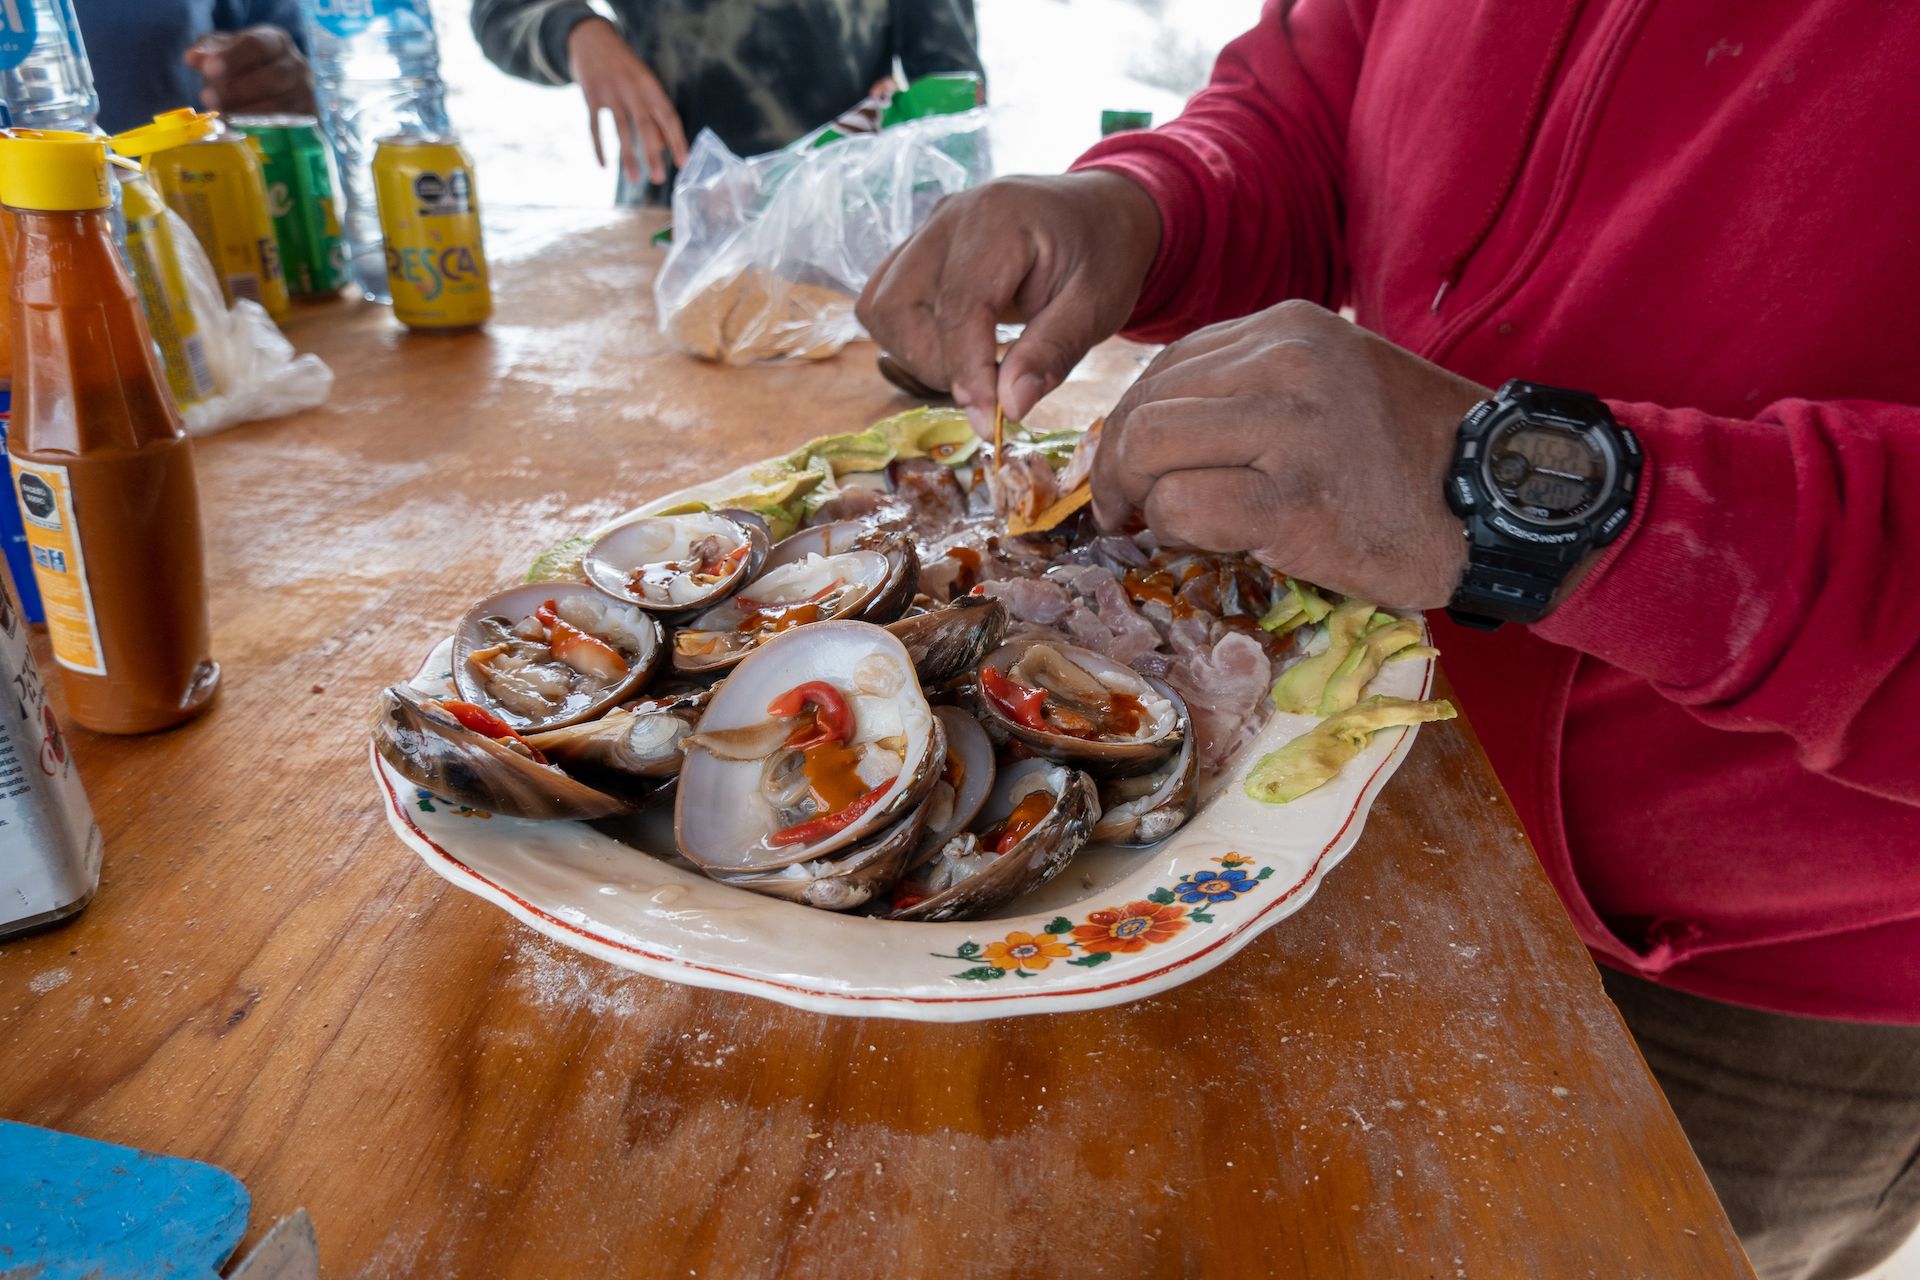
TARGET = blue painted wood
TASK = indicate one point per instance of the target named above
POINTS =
(72, 1208)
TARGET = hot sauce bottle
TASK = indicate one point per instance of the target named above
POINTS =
(103, 472)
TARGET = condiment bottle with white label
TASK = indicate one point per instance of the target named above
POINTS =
(102, 469)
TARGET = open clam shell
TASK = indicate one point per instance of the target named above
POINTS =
(794, 592)
(965, 781)
(903, 561)
(948, 643)
(1085, 684)
(968, 879)
(503, 661)
(658, 563)
(727, 809)
(636, 746)
(852, 877)
(1145, 809)
(431, 749)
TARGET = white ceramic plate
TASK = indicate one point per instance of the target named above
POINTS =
(1116, 925)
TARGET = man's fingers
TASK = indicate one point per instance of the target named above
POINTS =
(1056, 338)
(895, 310)
(259, 85)
(660, 107)
(593, 127)
(1141, 443)
(1220, 509)
(241, 51)
(978, 280)
(631, 157)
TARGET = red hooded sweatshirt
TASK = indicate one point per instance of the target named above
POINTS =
(1708, 214)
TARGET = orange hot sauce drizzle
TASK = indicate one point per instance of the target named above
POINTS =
(831, 778)
(1019, 824)
(762, 621)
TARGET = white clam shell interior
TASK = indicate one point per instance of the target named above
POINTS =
(722, 817)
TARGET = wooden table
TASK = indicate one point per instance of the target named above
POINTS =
(1417, 1075)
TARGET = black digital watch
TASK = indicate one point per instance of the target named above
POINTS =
(1542, 476)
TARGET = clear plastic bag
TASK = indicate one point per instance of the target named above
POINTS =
(769, 252)
(255, 372)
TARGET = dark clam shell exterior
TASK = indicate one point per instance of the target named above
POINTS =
(432, 750)
(947, 644)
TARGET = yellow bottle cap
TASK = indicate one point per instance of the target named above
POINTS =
(56, 171)
(169, 129)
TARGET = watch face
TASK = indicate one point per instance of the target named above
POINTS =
(1548, 474)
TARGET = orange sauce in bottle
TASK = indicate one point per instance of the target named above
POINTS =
(100, 463)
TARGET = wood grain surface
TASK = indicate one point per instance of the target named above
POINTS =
(1417, 1075)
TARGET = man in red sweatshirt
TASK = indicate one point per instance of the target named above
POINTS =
(1705, 216)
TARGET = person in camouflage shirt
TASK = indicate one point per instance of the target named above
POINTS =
(759, 73)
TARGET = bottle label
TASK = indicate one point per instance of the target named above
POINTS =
(17, 30)
(59, 565)
(350, 17)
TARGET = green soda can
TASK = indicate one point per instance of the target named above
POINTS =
(943, 93)
(1112, 122)
(306, 221)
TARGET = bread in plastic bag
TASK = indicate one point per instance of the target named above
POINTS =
(769, 252)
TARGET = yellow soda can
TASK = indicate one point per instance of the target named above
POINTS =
(213, 180)
(430, 219)
(155, 259)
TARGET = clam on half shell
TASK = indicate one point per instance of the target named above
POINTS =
(729, 805)
(790, 595)
(654, 562)
(1081, 679)
(968, 879)
(953, 805)
(896, 591)
(1146, 808)
(540, 689)
(630, 749)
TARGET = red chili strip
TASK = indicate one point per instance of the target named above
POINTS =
(832, 717)
(488, 725)
(828, 824)
(1016, 702)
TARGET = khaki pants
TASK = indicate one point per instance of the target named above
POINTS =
(1809, 1129)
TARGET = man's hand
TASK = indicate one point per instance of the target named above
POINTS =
(1068, 255)
(258, 71)
(1294, 435)
(614, 79)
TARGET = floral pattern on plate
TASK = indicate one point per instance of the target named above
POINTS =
(1161, 916)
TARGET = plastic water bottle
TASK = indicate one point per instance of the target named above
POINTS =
(44, 74)
(376, 65)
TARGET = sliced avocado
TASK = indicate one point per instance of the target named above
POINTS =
(1363, 662)
(561, 563)
(1317, 756)
(1298, 607)
(942, 434)
(1301, 685)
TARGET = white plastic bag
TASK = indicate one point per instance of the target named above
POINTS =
(769, 252)
(255, 372)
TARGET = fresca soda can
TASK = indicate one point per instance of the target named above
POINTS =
(155, 261)
(306, 222)
(430, 219)
(213, 179)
